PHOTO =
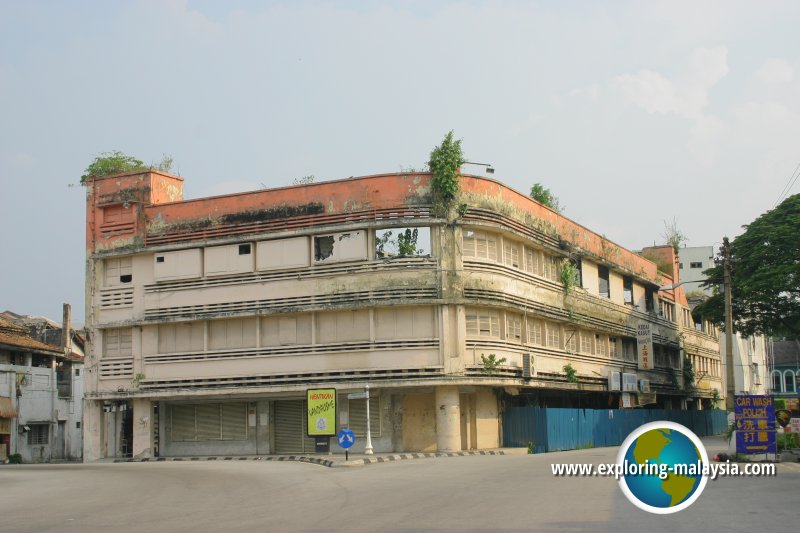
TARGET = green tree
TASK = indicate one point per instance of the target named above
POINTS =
(673, 236)
(544, 196)
(765, 275)
(445, 163)
(114, 162)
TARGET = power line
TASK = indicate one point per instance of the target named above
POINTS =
(789, 185)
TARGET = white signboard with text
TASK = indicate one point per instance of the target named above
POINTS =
(644, 344)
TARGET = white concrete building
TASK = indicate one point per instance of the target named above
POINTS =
(41, 397)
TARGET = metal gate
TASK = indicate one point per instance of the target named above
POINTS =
(290, 428)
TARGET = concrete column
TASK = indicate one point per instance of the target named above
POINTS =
(448, 419)
(93, 431)
(142, 428)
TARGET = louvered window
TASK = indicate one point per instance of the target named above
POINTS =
(483, 323)
(480, 245)
(117, 342)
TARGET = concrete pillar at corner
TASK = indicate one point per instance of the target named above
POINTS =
(142, 429)
(448, 419)
(93, 431)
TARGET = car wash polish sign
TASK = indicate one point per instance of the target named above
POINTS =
(755, 424)
(321, 412)
(644, 343)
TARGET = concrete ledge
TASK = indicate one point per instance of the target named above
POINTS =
(337, 460)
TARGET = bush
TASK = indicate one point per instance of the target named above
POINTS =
(15, 459)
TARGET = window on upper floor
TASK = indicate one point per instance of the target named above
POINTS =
(118, 271)
(789, 381)
(511, 256)
(393, 243)
(627, 290)
(777, 381)
(513, 327)
(480, 245)
(696, 264)
(571, 340)
(649, 300)
(535, 332)
(553, 332)
(117, 342)
(483, 323)
(181, 337)
(347, 246)
(586, 345)
(604, 281)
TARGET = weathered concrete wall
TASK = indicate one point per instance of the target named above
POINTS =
(487, 419)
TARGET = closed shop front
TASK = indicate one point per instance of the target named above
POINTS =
(290, 428)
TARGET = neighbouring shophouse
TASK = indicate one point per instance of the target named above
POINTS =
(785, 374)
(209, 318)
(41, 388)
(751, 368)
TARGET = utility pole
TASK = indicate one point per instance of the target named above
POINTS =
(729, 373)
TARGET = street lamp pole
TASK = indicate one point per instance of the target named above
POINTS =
(368, 446)
(729, 371)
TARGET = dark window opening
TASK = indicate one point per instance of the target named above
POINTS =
(323, 247)
(126, 278)
(244, 249)
(77, 425)
(604, 285)
(680, 266)
(627, 290)
(578, 266)
(649, 301)
(160, 259)
(696, 264)
(77, 371)
(39, 434)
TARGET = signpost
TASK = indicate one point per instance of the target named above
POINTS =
(346, 439)
(644, 342)
(755, 424)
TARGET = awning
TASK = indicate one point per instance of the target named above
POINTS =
(7, 408)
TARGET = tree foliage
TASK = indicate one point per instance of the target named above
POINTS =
(765, 275)
(116, 162)
(544, 196)
(445, 162)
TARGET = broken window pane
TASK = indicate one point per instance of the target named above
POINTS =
(323, 247)
(402, 242)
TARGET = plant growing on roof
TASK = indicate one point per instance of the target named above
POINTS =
(491, 364)
(569, 276)
(544, 196)
(572, 374)
(445, 163)
(673, 236)
(113, 162)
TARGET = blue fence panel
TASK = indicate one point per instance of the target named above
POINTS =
(552, 429)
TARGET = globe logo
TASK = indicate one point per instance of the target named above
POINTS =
(662, 466)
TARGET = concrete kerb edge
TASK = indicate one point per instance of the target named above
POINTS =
(328, 462)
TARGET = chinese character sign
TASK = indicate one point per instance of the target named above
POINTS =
(644, 342)
(755, 424)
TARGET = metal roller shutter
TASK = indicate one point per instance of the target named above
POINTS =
(182, 423)
(234, 421)
(290, 428)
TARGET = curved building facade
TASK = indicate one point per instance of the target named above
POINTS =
(210, 318)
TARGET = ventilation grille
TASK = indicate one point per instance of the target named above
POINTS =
(116, 368)
(538, 308)
(285, 304)
(297, 350)
(287, 223)
(415, 263)
(116, 298)
(296, 378)
(495, 268)
(484, 215)
(116, 229)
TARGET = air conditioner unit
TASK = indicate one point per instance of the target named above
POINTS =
(614, 381)
(629, 382)
(644, 385)
(526, 365)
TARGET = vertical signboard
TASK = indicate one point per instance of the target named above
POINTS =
(644, 342)
(755, 424)
(321, 412)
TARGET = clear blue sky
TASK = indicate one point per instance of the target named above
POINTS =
(631, 112)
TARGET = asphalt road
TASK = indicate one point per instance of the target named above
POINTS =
(478, 493)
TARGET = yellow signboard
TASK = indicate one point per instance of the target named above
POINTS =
(321, 412)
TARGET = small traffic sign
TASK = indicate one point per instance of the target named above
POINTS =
(356, 395)
(346, 438)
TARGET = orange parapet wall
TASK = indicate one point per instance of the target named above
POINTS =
(155, 201)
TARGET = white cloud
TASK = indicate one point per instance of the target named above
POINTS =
(686, 95)
(775, 71)
(705, 139)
